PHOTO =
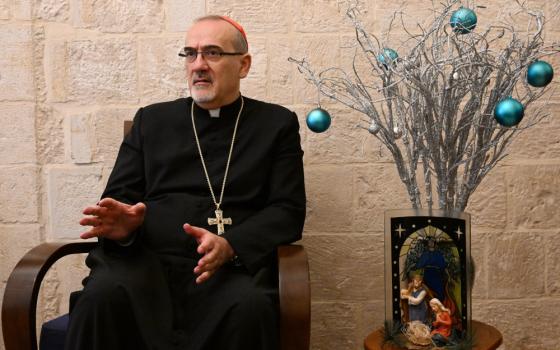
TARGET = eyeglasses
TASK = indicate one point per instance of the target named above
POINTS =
(211, 55)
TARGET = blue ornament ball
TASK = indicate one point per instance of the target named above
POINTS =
(509, 112)
(463, 20)
(318, 120)
(539, 74)
(388, 56)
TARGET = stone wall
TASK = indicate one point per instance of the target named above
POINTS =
(72, 70)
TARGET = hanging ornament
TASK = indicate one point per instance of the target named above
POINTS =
(387, 57)
(509, 112)
(463, 20)
(539, 74)
(374, 128)
(318, 120)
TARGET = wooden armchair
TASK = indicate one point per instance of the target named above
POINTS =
(22, 290)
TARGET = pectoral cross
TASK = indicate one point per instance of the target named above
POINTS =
(220, 221)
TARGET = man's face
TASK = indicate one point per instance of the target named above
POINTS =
(214, 84)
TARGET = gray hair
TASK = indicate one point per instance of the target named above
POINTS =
(239, 42)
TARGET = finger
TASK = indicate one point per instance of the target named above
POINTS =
(207, 262)
(210, 251)
(194, 231)
(198, 270)
(209, 245)
(90, 221)
(94, 232)
(139, 209)
(197, 233)
(207, 266)
(204, 247)
(91, 210)
(204, 277)
(95, 210)
(109, 203)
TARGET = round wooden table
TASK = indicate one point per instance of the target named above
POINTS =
(486, 338)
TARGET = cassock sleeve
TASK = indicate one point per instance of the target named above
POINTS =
(127, 182)
(281, 219)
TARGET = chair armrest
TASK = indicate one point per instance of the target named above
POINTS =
(295, 297)
(22, 289)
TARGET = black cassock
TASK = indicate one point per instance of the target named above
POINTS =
(143, 296)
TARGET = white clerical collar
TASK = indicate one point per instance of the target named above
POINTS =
(214, 113)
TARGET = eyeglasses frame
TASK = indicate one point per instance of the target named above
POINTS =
(204, 54)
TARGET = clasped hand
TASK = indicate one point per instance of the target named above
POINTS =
(115, 220)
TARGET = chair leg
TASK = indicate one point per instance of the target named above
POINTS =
(295, 299)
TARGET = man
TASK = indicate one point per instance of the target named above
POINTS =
(203, 191)
(416, 299)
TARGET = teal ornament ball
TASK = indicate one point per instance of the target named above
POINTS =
(463, 20)
(539, 74)
(388, 56)
(318, 120)
(509, 112)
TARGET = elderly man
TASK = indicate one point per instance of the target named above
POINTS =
(203, 191)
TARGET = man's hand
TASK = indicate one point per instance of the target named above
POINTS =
(215, 250)
(112, 219)
(404, 294)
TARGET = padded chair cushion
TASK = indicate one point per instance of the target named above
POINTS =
(53, 334)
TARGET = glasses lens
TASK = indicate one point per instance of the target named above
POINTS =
(189, 54)
(212, 55)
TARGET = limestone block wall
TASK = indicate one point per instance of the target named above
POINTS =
(72, 70)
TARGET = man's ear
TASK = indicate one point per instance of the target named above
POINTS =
(245, 66)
